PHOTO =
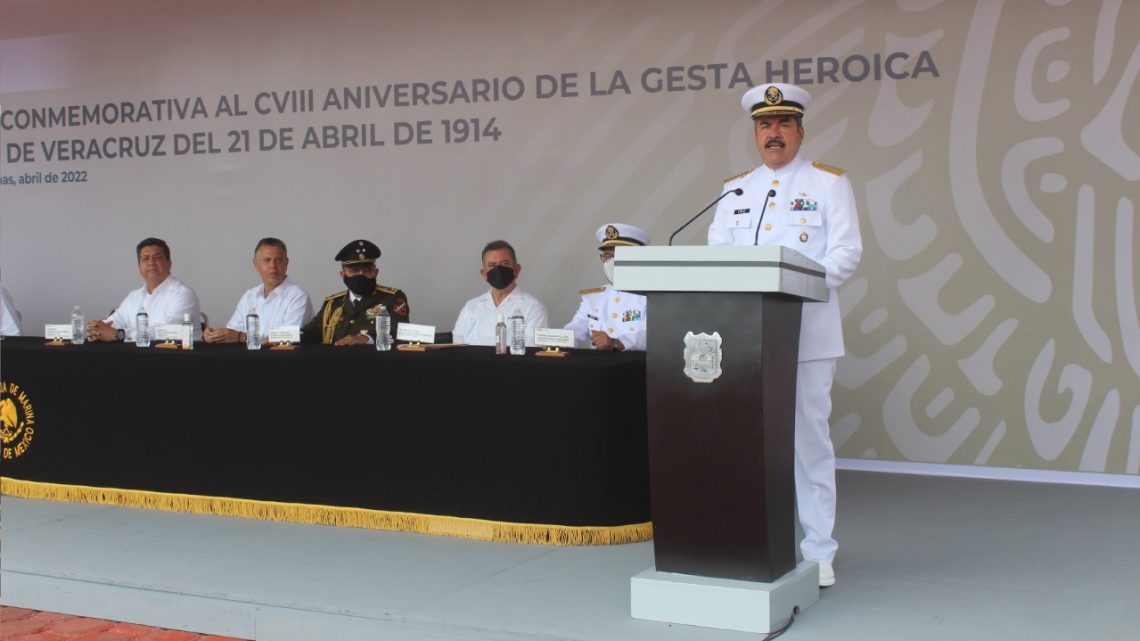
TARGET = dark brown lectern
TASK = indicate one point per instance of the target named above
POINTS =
(721, 360)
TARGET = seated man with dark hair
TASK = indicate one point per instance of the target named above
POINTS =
(477, 319)
(166, 300)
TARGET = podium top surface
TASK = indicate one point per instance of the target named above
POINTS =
(726, 268)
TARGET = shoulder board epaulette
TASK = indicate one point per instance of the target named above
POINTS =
(831, 169)
(592, 290)
(740, 175)
(337, 295)
(386, 289)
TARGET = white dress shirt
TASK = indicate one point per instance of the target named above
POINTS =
(9, 317)
(813, 212)
(477, 319)
(167, 304)
(287, 304)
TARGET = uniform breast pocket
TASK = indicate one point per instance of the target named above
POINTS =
(806, 227)
(741, 225)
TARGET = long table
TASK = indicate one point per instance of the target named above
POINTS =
(456, 432)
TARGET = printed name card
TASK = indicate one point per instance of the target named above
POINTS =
(544, 337)
(57, 332)
(413, 333)
(168, 332)
(285, 334)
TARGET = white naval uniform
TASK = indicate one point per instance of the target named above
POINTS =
(813, 212)
(9, 317)
(169, 302)
(287, 304)
(476, 322)
(617, 313)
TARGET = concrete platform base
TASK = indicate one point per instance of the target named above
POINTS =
(724, 603)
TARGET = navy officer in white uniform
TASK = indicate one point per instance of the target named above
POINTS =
(811, 209)
(608, 319)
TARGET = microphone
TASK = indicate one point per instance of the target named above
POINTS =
(763, 208)
(738, 191)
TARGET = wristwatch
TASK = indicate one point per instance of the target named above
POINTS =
(120, 335)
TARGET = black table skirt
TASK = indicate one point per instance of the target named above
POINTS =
(452, 433)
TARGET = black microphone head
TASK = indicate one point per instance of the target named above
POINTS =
(738, 191)
(771, 193)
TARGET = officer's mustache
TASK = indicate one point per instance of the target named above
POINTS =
(775, 142)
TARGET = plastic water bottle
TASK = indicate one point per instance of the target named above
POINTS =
(501, 336)
(252, 331)
(78, 326)
(383, 329)
(189, 329)
(518, 333)
(142, 328)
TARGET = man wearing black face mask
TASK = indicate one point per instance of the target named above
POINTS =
(477, 319)
(349, 317)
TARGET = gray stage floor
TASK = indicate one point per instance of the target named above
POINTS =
(920, 558)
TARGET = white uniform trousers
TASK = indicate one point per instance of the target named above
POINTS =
(815, 459)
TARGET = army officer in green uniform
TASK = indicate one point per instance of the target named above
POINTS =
(349, 317)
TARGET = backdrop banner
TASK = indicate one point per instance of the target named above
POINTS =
(993, 321)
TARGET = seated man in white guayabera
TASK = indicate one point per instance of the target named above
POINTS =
(276, 300)
(166, 299)
(476, 322)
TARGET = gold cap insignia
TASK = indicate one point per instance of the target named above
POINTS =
(773, 96)
(611, 232)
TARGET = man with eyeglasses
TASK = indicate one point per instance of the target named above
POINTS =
(349, 317)
(608, 319)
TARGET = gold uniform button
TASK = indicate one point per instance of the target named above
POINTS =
(771, 205)
(767, 226)
(803, 221)
(775, 182)
(614, 315)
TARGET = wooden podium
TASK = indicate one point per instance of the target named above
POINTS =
(723, 338)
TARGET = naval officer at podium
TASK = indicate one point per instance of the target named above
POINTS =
(809, 207)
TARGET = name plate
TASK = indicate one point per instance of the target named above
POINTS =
(170, 332)
(544, 337)
(285, 334)
(57, 332)
(413, 333)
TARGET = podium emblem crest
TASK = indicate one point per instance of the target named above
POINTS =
(702, 356)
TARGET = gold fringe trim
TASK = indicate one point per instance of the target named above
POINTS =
(460, 527)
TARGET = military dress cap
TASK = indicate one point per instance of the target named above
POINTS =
(358, 252)
(621, 235)
(775, 99)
